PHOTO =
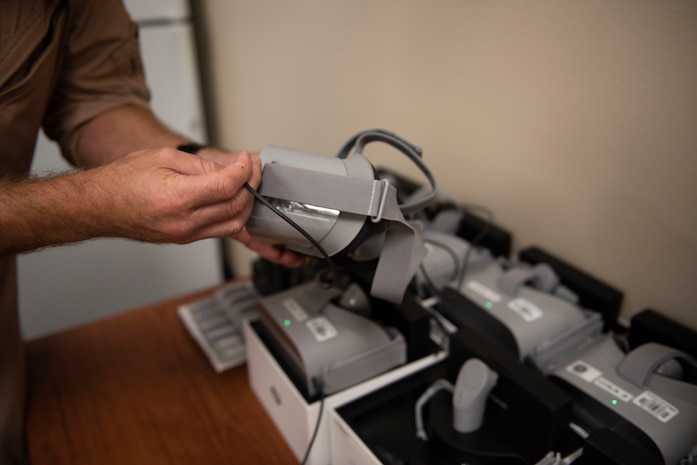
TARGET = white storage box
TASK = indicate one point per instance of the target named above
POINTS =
(287, 407)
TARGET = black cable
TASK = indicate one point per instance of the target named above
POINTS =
(320, 390)
(477, 239)
(453, 255)
(428, 282)
(360, 140)
(284, 217)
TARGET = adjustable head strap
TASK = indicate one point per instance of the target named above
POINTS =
(363, 138)
(640, 363)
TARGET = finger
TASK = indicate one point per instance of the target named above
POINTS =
(224, 157)
(270, 251)
(225, 185)
(266, 250)
(188, 164)
(217, 230)
(255, 178)
(233, 213)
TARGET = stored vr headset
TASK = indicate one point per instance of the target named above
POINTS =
(325, 206)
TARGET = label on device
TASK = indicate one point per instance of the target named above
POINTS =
(659, 408)
(525, 309)
(607, 385)
(584, 371)
(295, 309)
(483, 291)
(321, 328)
(592, 375)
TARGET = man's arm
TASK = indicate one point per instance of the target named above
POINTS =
(141, 188)
(38, 213)
(118, 132)
(159, 195)
(126, 129)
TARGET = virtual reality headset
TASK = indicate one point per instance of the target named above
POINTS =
(325, 206)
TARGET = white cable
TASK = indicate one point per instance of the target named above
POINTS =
(437, 385)
(555, 458)
(571, 458)
(582, 433)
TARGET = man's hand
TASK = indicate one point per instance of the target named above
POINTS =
(270, 251)
(274, 253)
(164, 195)
(111, 135)
(159, 195)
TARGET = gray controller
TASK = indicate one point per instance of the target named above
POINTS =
(474, 382)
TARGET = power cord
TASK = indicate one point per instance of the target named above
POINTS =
(555, 458)
(458, 275)
(477, 239)
(287, 219)
(423, 399)
(428, 282)
(320, 390)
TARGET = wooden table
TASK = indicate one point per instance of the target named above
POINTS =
(136, 389)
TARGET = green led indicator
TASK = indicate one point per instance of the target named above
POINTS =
(614, 401)
(286, 323)
(489, 304)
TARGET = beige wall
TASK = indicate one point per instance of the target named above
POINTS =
(575, 122)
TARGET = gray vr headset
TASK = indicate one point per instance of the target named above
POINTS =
(339, 206)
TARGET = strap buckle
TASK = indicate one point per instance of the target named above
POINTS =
(383, 199)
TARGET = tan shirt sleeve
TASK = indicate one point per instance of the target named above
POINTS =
(100, 70)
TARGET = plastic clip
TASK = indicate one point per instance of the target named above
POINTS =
(383, 198)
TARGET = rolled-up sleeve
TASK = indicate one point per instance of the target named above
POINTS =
(101, 69)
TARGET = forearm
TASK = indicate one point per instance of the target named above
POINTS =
(120, 131)
(127, 129)
(124, 130)
(56, 210)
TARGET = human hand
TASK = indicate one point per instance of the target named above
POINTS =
(271, 252)
(164, 195)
